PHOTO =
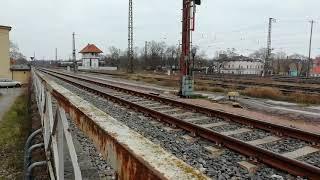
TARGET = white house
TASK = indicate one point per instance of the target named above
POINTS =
(90, 57)
(241, 65)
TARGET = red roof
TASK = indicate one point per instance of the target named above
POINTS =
(91, 48)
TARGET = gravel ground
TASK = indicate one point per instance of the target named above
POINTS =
(222, 167)
(252, 135)
(283, 146)
(105, 171)
(313, 159)
(84, 147)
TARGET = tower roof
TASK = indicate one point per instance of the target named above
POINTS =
(91, 48)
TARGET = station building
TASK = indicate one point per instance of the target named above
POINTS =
(7, 71)
(4, 52)
(90, 57)
(240, 65)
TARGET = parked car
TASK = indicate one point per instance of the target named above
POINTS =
(9, 83)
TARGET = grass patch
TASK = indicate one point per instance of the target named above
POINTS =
(276, 94)
(264, 92)
(14, 128)
(304, 98)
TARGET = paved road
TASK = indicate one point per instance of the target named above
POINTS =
(7, 99)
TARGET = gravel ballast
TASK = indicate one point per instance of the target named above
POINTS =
(221, 167)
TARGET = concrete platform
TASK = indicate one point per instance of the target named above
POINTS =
(265, 140)
(301, 152)
(214, 124)
(238, 131)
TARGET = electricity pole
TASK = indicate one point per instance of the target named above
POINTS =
(146, 51)
(267, 63)
(310, 45)
(130, 39)
(56, 54)
(74, 53)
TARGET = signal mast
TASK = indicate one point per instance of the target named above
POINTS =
(188, 25)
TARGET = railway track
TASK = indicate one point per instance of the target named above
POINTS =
(285, 148)
(243, 84)
(288, 79)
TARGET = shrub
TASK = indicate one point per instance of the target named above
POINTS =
(264, 92)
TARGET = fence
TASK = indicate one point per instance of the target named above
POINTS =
(55, 132)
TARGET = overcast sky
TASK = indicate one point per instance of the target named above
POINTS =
(43, 25)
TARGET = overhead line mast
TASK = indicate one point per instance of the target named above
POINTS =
(130, 39)
(268, 62)
(74, 58)
(310, 44)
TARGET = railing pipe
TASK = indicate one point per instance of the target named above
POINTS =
(31, 167)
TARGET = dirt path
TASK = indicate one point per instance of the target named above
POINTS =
(7, 99)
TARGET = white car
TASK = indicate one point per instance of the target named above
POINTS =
(9, 83)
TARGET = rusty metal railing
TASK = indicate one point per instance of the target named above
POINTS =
(55, 132)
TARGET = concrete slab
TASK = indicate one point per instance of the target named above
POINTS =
(265, 140)
(197, 118)
(160, 107)
(251, 168)
(170, 129)
(238, 131)
(151, 104)
(182, 114)
(170, 110)
(214, 152)
(145, 102)
(189, 139)
(301, 152)
(214, 124)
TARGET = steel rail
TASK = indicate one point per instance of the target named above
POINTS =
(292, 166)
(256, 123)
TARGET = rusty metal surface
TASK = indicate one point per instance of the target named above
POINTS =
(130, 154)
(290, 165)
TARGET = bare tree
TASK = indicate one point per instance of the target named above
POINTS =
(15, 52)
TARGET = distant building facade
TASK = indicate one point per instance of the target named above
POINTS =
(4, 52)
(90, 57)
(315, 71)
(240, 65)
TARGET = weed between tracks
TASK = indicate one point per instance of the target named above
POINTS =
(276, 94)
(204, 85)
(14, 128)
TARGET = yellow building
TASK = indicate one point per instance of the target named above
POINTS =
(21, 73)
(4, 52)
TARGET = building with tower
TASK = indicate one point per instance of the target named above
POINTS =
(90, 57)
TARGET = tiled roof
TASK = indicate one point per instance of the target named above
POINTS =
(20, 67)
(91, 48)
